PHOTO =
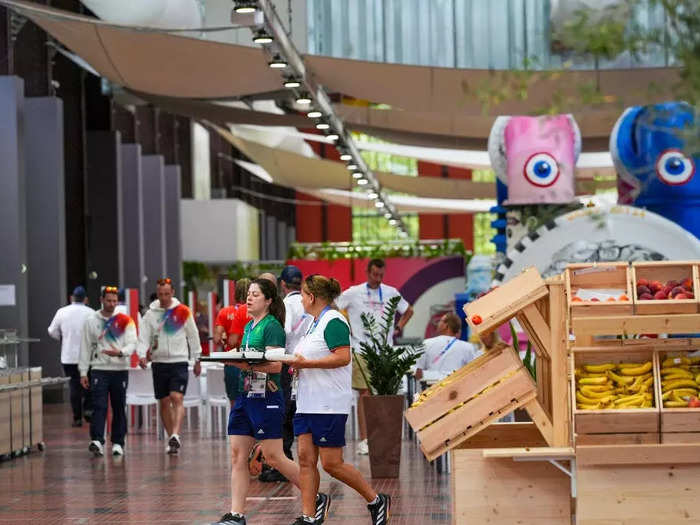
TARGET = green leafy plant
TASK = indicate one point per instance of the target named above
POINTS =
(386, 364)
(529, 359)
(330, 251)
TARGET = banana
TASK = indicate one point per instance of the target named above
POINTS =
(676, 404)
(599, 368)
(597, 388)
(636, 371)
(676, 371)
(629, 399)
(648, 382)
(679, 383)
(694, 360)
(676, 376)
(672, 361)
(593, 374)
(647, 403)
(629, 365)
(593, 380)
(697, 378)
(586, 400)
(596, 395)
(675, 396)
(620, 379)
(582, 406)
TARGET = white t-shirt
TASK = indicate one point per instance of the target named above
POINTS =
(323, 390)
(67, 325)
(296, 321)
(445, 354)
(361, 298)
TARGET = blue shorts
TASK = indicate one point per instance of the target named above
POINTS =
(260, 418)
(327, 430)
(169, 377)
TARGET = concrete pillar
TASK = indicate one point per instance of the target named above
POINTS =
(46, 232)
(173, 239)
(153, 189)
(132, 204)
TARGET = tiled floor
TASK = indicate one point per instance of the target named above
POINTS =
(65, 484)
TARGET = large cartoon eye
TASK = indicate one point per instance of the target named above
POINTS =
(674, 168)
(541, 170)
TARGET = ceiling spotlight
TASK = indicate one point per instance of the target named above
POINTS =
(345, 156)
(244, 6)
(333, 136)
(358, 175)
(292, 82)
(362, 182)
(323, 125)
(387, 215)
(304, 98)
(392, 221)
(314, 114)
(352, 167)
(379, 204)
(262, 37)
(372, 195)
(277, 62)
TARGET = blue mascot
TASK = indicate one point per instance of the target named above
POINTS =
(656, 151)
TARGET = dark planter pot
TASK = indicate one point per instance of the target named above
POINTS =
(384, 416)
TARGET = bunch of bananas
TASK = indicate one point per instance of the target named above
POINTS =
(680, 377)
(614, 386)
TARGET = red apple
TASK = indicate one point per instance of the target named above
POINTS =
(681, 296)
(676, 291)
(694, 402)
(655, 286)
(641, 289)
(667, 290)
(687, 283)
(646, 297)
(672, 283)
(660, 295)
(594, 299)
(690, 295)
(642, 282)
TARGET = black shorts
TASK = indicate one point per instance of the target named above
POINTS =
(169, 377)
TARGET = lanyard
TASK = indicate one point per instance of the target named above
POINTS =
(444, 351)
(250, 332)
(316, 321)
(379, 291)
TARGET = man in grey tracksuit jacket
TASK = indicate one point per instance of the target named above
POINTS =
(108, 341)
(169, 335)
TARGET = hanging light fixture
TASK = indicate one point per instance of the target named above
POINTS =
(277, 62)
(333, 136)
(392, 221)
(352, 167)
(262, 37)
(303, 98)
(372, 195)
(379, 204)
(323, 125)
(362, 182)
(292, 82)
(244, 6)
(345, 156)
(358, 175)
(314, 113)
(387, 215)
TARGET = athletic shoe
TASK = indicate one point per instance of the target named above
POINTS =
(270, 475)
(117, 449)
(231, 519)
(255, 460)
(303, 520)
(323, 507)
(96, 448)
(363, 448)
(173, 444)
(380, 510)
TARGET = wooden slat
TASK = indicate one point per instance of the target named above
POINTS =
(680, 437)
(503, 303)
(618, 439)
(486, 370)
(476, 415)
(626, 345)
(536, 327)
(637, 454)
(530, 453)
(501, 435)
(541, 420)
(558, 378)
(640, 324)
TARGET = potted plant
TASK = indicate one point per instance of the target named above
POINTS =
(386, 365)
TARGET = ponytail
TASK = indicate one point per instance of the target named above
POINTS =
(322, 287)
(269, 290)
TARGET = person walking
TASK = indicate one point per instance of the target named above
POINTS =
(369, 297)
(169, 335)
(324, 400)
(259, 411)
(108, 340)
(67, 327)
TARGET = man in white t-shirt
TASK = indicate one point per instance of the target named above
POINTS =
(370, 297)
(445, 353)
(67, 326)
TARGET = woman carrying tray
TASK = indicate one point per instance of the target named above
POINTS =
(324, 397)
(259, 411)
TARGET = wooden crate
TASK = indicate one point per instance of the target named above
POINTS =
(468, 400)
(631, 438)
(614, 421)
(501, 304)
(677, 420)
(665, 271)
(598, 276)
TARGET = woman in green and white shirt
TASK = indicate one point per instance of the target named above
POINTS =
(324, 400)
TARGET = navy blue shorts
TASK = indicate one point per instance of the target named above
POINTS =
(169, 377)
(327, 430)
(260, 418)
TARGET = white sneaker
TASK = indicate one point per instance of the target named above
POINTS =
(174, 444)
(363, 448)
(117, 449)
(96, 448)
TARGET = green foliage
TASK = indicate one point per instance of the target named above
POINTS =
(386, 364)
(382, 250)
(529, 359)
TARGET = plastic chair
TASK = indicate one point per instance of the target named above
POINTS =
(140, 394)
(216, 396)
(193, 397)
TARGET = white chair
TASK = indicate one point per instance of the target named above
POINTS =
(193, 398)
(140, 394)
(216, 396)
